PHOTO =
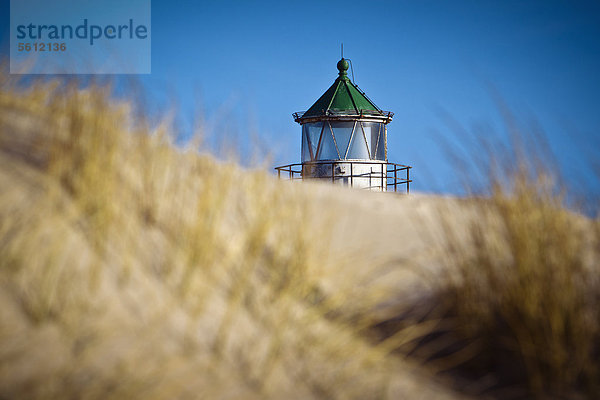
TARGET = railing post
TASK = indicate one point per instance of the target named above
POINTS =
(407, 179)
(351, 176)
(332, 176)
(395, 178)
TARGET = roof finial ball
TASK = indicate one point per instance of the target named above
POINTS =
(343, 66)
(344, 140)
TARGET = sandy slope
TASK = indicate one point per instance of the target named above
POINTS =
(104, 338)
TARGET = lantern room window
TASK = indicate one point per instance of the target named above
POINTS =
(343, 140)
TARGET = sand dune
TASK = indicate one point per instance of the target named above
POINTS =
(134, 269)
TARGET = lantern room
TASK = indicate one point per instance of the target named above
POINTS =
(344, 140)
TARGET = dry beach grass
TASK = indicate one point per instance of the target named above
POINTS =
(131, 268)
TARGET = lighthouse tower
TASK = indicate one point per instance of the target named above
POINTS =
(344, 140)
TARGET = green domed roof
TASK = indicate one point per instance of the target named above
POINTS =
(341, 98)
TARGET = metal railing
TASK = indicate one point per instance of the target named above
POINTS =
(391, 175)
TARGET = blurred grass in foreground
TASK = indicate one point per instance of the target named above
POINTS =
(134, 269)
(515, 311)
(526, 294)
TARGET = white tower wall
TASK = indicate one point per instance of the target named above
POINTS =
(361, 174)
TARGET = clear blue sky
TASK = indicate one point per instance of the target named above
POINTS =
(249, 65)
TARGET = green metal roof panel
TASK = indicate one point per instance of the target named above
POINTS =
(343, 95)
(324, 101)
(361, 102)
